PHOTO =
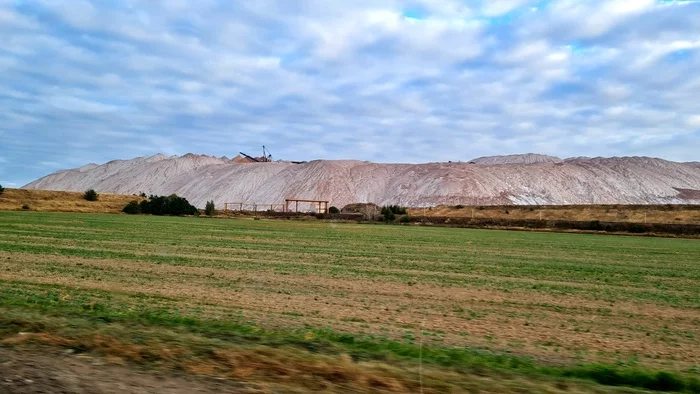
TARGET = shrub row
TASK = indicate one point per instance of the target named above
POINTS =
(161, 205)
(594, 225)
(658, 381)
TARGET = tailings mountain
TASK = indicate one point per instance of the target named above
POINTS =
(517, 179)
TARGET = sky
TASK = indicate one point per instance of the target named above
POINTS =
(381, 80)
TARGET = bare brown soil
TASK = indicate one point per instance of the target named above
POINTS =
(59, 201)
(32, 372)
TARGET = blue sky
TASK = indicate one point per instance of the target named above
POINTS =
(383, 80)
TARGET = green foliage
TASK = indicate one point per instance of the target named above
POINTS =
(132, 208)
(333, 210)
(389, 212)
(210, 208)
(396, 209)
(405, 219)
(159, 205)
(91, 195)
(388, 215)
(2, 190)
(612, 376)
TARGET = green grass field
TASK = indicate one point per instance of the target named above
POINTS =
(346, 306)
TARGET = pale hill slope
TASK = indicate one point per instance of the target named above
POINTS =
(626, 180)
(528, 158)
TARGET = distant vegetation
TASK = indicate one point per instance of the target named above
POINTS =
(173, 205)
(333, 210)
(132, 208)
(91, 195)
(389, 212)
(395, 209)
(2, 190)
(210, 208)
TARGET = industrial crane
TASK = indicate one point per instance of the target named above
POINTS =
(267, 155)
(265, 158)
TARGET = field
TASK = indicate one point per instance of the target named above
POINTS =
(293, 305)
(677, 214)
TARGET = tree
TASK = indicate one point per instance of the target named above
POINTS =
(388, 213)
(333, 210)
(2, 190)
(395, 209)
(132, 208)
(210, 208)
(171, 205)
(91, 195)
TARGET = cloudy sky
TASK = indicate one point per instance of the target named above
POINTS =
(383, 80)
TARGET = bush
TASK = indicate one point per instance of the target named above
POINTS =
(460, 206)
(612, 376)
(389, 210)
(2, 190)
(132, 208)
(26, 207)
(91, 195)
(595, 225)
(210, 208)
(171, 205)
(405, 219)
(333, 210)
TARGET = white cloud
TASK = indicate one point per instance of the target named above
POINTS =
(10, 18)
(312, 78)
(500, 7)
(694, 121)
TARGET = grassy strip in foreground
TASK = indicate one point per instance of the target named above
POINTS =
(163, 337)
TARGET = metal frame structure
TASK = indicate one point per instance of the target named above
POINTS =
(321, 205)
(252, 206)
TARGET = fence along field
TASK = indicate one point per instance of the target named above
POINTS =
(210, 295)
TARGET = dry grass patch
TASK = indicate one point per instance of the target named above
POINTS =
(61, 201)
